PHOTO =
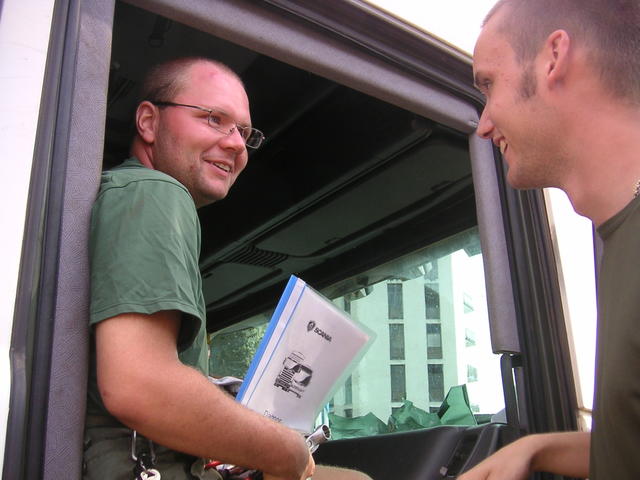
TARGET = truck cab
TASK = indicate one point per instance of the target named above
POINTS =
(371, 186)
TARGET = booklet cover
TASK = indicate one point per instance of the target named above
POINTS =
(308, 351)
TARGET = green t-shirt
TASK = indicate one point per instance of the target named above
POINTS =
(144, 248)
(616, 412)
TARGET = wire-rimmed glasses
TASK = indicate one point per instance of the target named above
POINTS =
(223, 123)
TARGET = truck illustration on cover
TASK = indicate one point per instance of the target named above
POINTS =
(294, 376)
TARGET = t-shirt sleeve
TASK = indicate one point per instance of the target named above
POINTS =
(144, 247)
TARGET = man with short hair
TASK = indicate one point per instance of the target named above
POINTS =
(149, 349)
(562, 84)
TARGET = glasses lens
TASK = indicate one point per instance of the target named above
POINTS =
(225, 124)
(254, 138)
(245, 132)
(221, 121)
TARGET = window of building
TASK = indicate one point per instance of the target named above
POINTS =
(396, 341)
(432, 301)
(431, 271)
(394, 297)
(469, 337)
(348, 391)
(398, 383)
(468, 303)
(434, 341)
(347, 305)
(436, 382)
(472, 374)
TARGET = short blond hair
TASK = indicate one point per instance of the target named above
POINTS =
(608, 29)
(164, 81)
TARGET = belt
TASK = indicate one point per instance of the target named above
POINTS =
(93, 420)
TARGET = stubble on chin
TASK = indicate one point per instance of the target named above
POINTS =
(531, 176)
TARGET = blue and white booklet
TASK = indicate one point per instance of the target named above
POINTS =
(309, 349)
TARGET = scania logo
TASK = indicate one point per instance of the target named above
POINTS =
(312, 326)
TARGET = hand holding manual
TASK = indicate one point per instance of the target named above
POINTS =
(309, 349)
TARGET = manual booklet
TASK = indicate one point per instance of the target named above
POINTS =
(309, 349)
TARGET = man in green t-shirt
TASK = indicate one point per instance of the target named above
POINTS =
(149, 351)
(562, 85)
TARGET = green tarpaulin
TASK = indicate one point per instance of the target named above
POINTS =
(454, 410)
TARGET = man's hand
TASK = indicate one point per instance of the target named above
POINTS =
(512, 462)
(308, 473)
(565, 453)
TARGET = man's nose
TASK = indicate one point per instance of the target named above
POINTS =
(485, 125)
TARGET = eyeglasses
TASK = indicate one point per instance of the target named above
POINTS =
(223, 123)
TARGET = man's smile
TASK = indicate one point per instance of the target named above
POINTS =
(225, 167)
(222, 166)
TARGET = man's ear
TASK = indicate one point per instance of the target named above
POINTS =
(147, 119)
(557, 57)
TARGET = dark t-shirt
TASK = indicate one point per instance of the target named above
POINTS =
(616, 417)
(144, 248)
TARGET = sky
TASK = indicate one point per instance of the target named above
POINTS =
(456, 21)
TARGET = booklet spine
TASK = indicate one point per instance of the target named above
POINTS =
(284, 299)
